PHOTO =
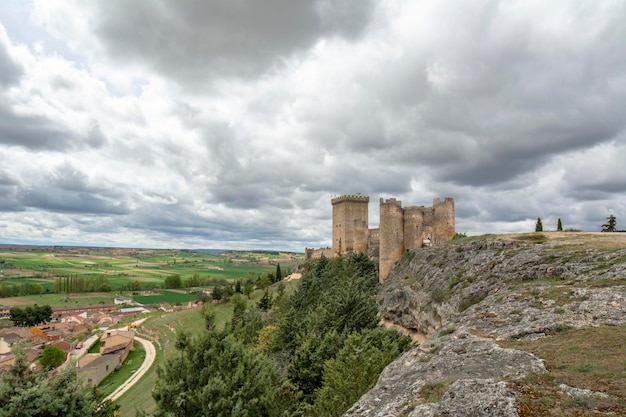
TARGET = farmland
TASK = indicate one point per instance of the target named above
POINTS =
(98, 273)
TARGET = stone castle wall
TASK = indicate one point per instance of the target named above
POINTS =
(401, 228)
(310, 253)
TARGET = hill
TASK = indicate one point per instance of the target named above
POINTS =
(512, 325)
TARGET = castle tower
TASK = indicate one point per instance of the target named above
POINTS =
(350, 224)
(391, 235)
(443, 220)
(414, 229)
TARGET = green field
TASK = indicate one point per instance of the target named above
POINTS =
(164, 297)
(46, 270)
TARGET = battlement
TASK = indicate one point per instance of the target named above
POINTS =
(391, 201)
(350, 198)
(438, 202)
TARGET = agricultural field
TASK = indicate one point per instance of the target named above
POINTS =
(41, 271)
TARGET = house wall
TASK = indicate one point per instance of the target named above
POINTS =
(96, 371)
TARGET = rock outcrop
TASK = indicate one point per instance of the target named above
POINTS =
(464, 297)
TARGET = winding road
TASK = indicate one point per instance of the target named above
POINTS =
(147, 363)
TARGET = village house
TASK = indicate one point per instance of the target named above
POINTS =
(115, 345)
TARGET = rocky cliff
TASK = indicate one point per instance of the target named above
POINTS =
(465, 300)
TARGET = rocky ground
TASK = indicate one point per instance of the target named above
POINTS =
(464, 298)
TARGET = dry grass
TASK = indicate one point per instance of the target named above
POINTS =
(591, 358)
(571, 240)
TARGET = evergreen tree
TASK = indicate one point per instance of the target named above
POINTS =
(222, 378)
(538, 225)
(355, 369)
(610, 225)
(559, 225)
(279, 273)
(23, 393)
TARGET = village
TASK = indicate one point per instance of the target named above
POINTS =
(95, 339)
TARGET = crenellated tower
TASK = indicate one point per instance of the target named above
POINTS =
(350, 224)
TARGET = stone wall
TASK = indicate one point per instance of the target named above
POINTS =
(310, 253)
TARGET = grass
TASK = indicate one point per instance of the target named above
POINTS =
(468, 302)
(591, 358)
(532, 237)
(432, 392)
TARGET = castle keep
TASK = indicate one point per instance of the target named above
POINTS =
(400, 229)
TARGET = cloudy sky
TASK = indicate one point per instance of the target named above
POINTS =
(230, 124)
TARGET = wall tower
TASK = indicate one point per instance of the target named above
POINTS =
(350, 224)
(391, 235)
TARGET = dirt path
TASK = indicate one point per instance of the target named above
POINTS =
(147, 363)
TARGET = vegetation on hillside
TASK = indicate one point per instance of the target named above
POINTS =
(312, 353)
(23, 393)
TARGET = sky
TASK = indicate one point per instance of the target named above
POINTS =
(231, 124)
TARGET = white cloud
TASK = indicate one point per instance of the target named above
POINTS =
(178, 124)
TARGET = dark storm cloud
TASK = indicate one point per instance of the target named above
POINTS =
(9, 201)
(38, 133)
(64, 201)
(192, 41)
(10, 71)
(68, 190)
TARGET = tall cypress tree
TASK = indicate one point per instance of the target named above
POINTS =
(279, 273)
(559, 226)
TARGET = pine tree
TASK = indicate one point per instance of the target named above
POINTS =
(538, 225)
(610, 225)
(559, 225)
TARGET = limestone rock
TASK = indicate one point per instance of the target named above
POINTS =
(463, 298)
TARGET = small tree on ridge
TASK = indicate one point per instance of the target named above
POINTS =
(538, 225)
(610, 225)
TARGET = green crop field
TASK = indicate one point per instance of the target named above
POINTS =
(41, 272)
(164, 297)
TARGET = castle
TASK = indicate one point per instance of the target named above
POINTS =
(400, 229)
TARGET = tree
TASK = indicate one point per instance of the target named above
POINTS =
(610, 225)
(248, 289)
(355, 369)
(217, 293)
(265, 303)
(23, 393)
(538, 225)
(173, 281)
(31, 315)
(559, 225)
(51, 357)
(279, 274)
(223, 378)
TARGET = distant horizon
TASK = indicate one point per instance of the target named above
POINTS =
(207, 250)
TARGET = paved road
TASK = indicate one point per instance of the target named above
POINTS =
(150, 355)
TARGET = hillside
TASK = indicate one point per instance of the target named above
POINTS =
(482, 306)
